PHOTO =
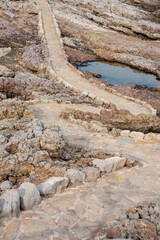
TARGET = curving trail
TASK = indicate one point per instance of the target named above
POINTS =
(81, 211)
(67, 72)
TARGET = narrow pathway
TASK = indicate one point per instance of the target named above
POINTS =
(71, 75)
(80, 212)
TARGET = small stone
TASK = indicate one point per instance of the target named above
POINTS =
(4, 51)
(158, 137)
(6, 185)
(9, 204)
(150, 137)
(92, 96)
(53, 185)
(75, 175)
(130, 162)
(104, 130)
(84, 93)
(115, 132)
(5, 72)
(133, 215)
(29, 195)
(85, 124)
(137, 135)
(125, 133)
(92, 174)
(158, 88)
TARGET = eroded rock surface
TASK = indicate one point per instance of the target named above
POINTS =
(127, 36)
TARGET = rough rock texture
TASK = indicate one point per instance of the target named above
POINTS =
(119, 119)
(34, 57)
(92, 174)
(109, 164)
(4, 51)
(111, 32)
(5, 72)
(29, 196)
(9, 204)
(27, 143)
(18, 32)
(53, 185)
(6, 185)
(75, 175)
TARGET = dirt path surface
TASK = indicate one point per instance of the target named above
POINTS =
(68, 73)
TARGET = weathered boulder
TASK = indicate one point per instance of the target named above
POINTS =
(75, 175)
(6, 185)
(137, 135)
(33, 57)
(29, 195)
(9, 203)
(53, 185)
(109, 164)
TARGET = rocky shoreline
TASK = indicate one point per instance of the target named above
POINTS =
(58, 142)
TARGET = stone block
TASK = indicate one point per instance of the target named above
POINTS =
(9, 204)
(53, 185)
(136, 135)
(109, 164)
(29, 195)
(125, 133)
(75, 175)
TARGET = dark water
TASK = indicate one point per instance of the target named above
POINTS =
(117, 74)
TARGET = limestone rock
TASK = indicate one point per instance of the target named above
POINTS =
(92, 174)
(9, 203)
(53, 185)
(29, 195)
(5, 72)
(4, 51)
(150, 136)
(33, 58)
(109, 164)
(52, 142)
(75, 175)
(125, 133)
(6, 185)
(158, 137)
(137, 135)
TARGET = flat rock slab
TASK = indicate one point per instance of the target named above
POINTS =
(109, 164)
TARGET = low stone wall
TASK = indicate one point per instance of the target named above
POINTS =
(97, 127)
(28, 194)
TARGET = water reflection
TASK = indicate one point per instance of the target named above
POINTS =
(117, 74)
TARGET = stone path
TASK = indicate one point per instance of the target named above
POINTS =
(71, 75)
(81, 211)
